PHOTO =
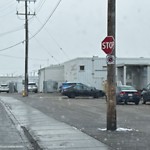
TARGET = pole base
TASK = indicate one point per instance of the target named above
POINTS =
(24, 94)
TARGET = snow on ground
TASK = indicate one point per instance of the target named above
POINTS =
(118, 129)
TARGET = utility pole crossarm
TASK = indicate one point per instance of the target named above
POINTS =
(27, 0)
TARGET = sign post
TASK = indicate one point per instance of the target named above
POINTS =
(111, 70)
(108, 46)
(110, 59)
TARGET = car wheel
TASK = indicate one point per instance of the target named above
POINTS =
(96, 96)
(71, 95)
(144, 101)
(144, 98)
(125, 102)
(117, 103)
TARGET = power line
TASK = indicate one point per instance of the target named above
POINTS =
(47, 19)
(12, 46)
(6, 10)
(11, 31)
(7, 6)
(36, 32)
(45, 49)
(15, 57)
(60, 48)
(41, 5)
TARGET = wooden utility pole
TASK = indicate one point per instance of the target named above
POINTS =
(26, 50)
(25, 93)
(111, 71)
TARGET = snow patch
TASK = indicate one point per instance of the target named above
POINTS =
(124, 129)
(100, 129)
(118, 129)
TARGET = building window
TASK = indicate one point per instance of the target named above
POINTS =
(82, 68)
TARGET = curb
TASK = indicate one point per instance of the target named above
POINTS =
(34, 143)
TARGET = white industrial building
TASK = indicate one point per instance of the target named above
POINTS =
(93, 71)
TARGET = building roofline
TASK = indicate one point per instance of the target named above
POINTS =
(79, 58)
(52, 66)
(129, 64)
(97, 57)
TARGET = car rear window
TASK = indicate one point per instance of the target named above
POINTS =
(127, 88)
(68, 84)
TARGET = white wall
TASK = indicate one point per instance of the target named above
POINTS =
(54, 73)
(148, 74)
(94, 73)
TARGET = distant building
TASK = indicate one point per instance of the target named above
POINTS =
(93, 71)
(50, 78)
(16, 82)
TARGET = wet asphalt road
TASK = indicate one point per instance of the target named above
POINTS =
(89, 115)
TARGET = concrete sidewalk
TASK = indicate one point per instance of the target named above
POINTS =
(10, 137)
(47, 133)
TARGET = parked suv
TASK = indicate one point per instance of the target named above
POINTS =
(80, 89)
(146, 94)
(4, 88)
(32, 87)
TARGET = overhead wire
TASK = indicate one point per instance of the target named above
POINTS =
(6, 10)
(37, 31)
(10, 56)
(40, 6)
(47, 19)
(11, 31)
(21, 42)
(6, 6)
(45, 49)
(5, 3)
(60, 48)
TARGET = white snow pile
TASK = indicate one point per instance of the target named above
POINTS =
(124, 129)
(118, 129)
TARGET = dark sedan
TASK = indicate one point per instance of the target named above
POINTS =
(127, 94)
(146, 94)
(80, 89)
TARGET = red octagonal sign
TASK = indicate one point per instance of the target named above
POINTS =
(108, 44)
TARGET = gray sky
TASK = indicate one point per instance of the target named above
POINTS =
(76, 29)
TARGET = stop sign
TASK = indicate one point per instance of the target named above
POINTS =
(108, 44)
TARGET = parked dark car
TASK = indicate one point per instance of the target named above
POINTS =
(146, 94)
(126, 93)
(80, 89)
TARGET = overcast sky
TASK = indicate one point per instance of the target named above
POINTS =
(76, 29)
